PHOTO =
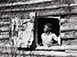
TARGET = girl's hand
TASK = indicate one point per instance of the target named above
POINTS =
(50, 44)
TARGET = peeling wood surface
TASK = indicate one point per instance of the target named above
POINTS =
(45, 7)
(53, 48)
(24, 3)
(7, 50)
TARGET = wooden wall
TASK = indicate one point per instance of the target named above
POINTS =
(44, 8)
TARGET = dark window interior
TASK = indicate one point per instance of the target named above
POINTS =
(42, 21)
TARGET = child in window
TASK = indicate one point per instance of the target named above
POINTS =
(48, 37)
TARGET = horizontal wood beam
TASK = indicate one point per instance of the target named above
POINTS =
(39, 8)
(39, 53)
(69, 29)
(4, 36)
(52, 12)
(35, 8)
(45, 14)
(4, 23)
(62, 47)
(57, 54)
(73, 37)
(24, 3)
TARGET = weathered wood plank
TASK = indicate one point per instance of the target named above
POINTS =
(51, 12)
(24, 3)
(4, 28)
(4, 36)
(73, 37)
(2, 23)
(4, 39)
(71, 51)
(36, 8)
(29, 2)
(41, 8)
(62, 47)
(41, 53)
(3, 33)
(69, 29)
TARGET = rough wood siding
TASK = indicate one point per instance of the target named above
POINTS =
(45, 9)
(4, 30)
(69, 31)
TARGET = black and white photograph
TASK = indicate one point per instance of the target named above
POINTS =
(38, 28)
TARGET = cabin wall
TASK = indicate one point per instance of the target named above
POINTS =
(69, 31)
(64, 11)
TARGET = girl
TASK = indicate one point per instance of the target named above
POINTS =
(48, 37)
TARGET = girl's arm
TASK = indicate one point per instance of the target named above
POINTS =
(55, 37)
(58, 39)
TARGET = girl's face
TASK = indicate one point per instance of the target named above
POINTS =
(46, 28)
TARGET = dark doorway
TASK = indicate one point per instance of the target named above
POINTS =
(42, 21)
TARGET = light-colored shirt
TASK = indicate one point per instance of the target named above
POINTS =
(48, 39)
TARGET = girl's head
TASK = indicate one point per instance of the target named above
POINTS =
(47, 27)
